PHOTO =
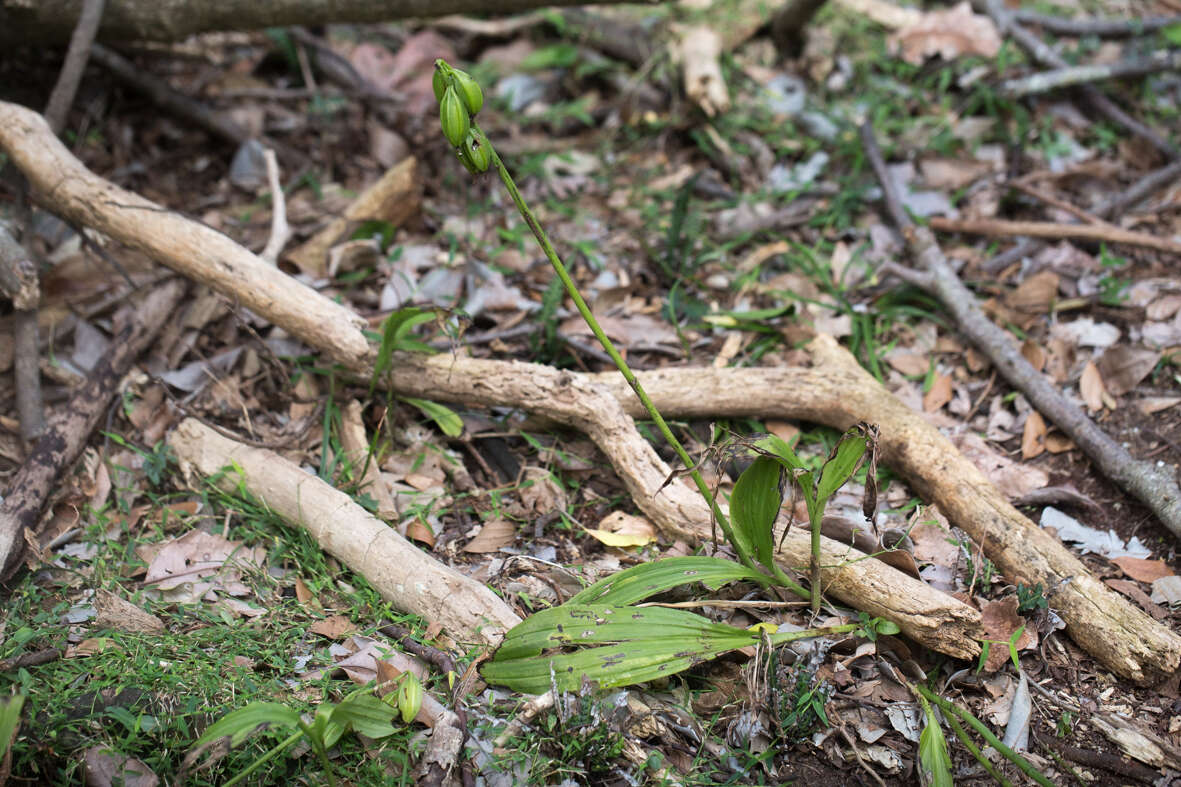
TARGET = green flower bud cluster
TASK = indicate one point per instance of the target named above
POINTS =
(460, 99)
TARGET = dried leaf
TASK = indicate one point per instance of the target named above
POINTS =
(908, 363)
(618, 529)
(938, 394)
(113, 612)
(948, 34)
(107, 767)
(1000, 621)
(1058, 443)
(1034, 435)
(1143, 570)
(1154, 404)
(1033, 352)
(333, 627)
(494, 534)
(1036, 294)
(1123, 367)
(1090, 385)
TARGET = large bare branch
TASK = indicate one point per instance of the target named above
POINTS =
(51, 21)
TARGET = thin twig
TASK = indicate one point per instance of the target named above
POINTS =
(280, 230)
(62, 97)
(1100, 28)
(1060, 204)
(1072, 76)
(1154, 486)
(1107, 233)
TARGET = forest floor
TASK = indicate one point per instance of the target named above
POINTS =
(720, 237)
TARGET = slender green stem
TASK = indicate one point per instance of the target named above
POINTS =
(620, 363)
(991, 739)
(814, 565)
(971, 746)
(264, 759)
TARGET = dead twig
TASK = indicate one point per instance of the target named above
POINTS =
(62, 97)
(1073, 76)
(68, 431)
(280, 229)
(1105, 233)
(1100, 28)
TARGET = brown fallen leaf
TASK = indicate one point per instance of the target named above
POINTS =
(1143, 570)
(910, 364)
(333, 627)
(1123, 367)
(1036, 294)
(106, 767)
(948, 34)
(115, 613)
(1058, 443)
(495, 533)
(1000, 621)
(938, 394)
(1033, 437)
(1154, 404)
(1090, 385)
(1033, 352)
(618, 529)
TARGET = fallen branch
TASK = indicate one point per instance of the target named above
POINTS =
(1022, 550)
(1117, 634)
(18, 280)
(1072, 76)
(49, 21)
(68, 431)
(1100, 28)
(62, 97)
(1105, 233)
(401, 572)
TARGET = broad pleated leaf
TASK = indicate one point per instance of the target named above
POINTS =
(647, 579)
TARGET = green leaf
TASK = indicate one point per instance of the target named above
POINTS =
(933, 756)
(10, 716)
(325, 730)
(639, 644)
(239, 724)
(841, 466)
(778, 447)
(754, 505)
(1172, 34)
(446, 418)
(647, 579)
(394, 336)
(367, 715)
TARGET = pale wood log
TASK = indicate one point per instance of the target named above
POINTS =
(402, 573)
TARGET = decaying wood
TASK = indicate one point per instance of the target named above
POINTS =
(833, 391)
(1047, 229)
(69, 429)
(401, 572)
(18, 280)
(49, 21)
